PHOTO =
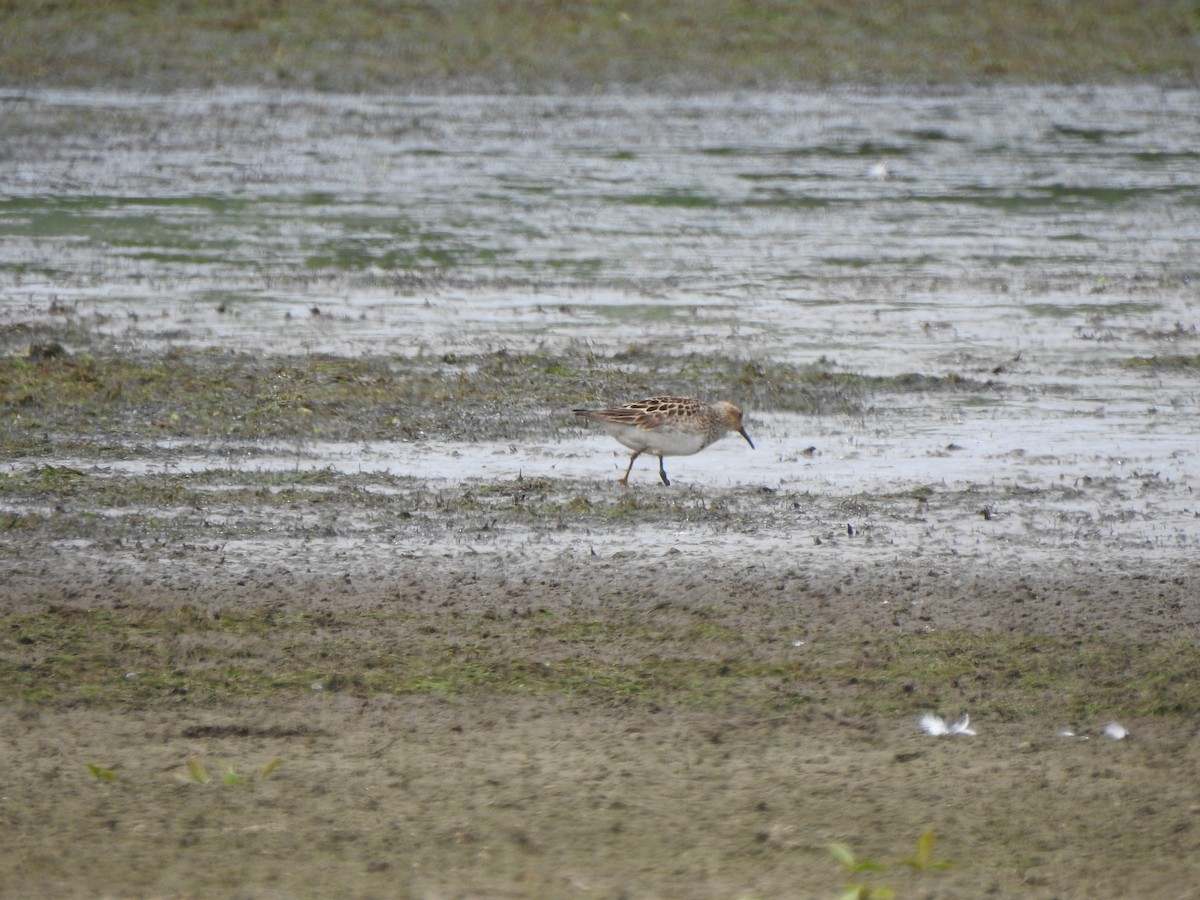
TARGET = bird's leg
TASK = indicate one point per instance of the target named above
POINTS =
(662, 472)
(625, 480)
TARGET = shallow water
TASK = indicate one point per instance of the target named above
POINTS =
(1038, 238)
(1035, 220)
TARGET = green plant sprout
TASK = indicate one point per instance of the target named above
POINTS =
(921, 861)
(101, 773)
(197, 772)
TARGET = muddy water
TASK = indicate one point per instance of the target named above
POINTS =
(859, 226)
(1040, 239)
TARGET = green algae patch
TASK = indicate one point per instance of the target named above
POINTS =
(497, 396)
(143, 656)
(533, 45)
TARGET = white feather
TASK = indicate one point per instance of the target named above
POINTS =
(932, 724)
(962, 725)
(1115, 732)
(936, 725)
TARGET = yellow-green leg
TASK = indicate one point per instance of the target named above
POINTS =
(625, 480)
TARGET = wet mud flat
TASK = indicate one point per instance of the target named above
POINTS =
(476, 719)
(313, 584)
(296, 667)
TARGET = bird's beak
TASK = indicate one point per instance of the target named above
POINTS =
(742, 432)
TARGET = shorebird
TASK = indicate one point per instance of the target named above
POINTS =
(667, 426)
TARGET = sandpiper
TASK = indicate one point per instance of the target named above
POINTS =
(667, 426)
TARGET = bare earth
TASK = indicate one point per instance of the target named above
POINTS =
(543, 795)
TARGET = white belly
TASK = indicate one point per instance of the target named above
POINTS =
(659, 441)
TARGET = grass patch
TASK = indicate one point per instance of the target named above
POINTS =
(527, 44)
(498, 396)
(144, 657)
(1159, 363)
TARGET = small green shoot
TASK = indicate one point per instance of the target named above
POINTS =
(866, 892)
(851, 863)
(854, 866)
(921, 861)
(197, 771)
(101, 773)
